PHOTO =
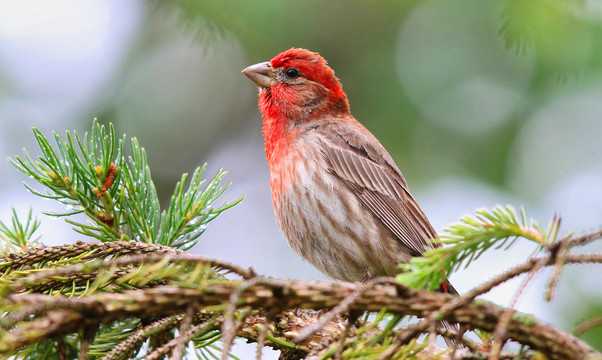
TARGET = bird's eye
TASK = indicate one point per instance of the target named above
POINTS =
(292, 73)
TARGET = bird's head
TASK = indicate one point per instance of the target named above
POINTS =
(297, 85)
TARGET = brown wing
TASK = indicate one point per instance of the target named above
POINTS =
(363, 165)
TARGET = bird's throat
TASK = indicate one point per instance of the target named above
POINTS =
(279, 137)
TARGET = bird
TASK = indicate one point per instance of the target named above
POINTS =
(339, 199)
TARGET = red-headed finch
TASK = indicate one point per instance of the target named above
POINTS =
(340, 200)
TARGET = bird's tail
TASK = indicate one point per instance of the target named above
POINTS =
(447, 288)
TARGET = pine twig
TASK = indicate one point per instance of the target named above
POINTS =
(502, 325)
(588, 324)
(189, 335)
(581, 239)
(79, 269)
(91, 250)
(140, 336)
(178, 350)
(229, 327)
(261, 337)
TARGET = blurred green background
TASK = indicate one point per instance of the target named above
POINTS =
(480, 102)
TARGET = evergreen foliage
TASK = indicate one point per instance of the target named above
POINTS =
(499, 227)
(92, 175)
(135, 293)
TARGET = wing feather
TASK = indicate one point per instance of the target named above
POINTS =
(363, 165)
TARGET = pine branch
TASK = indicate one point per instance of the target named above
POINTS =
(92, 175)
(137, 292)
(151, 268)
(262, 294)
(82, 250)
(286, 294)
(18, 236)
(257, 293)
(469, 239)
(121, 338)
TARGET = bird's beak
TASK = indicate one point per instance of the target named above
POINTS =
(261, 74)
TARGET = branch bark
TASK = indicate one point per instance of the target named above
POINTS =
(291, 294)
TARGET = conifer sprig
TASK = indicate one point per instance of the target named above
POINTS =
(467, 240)
(18, 235)
(191, 209)
(92, 175)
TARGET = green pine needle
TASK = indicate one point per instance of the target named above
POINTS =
(18, 236)
(467, 240)
(92, 175)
